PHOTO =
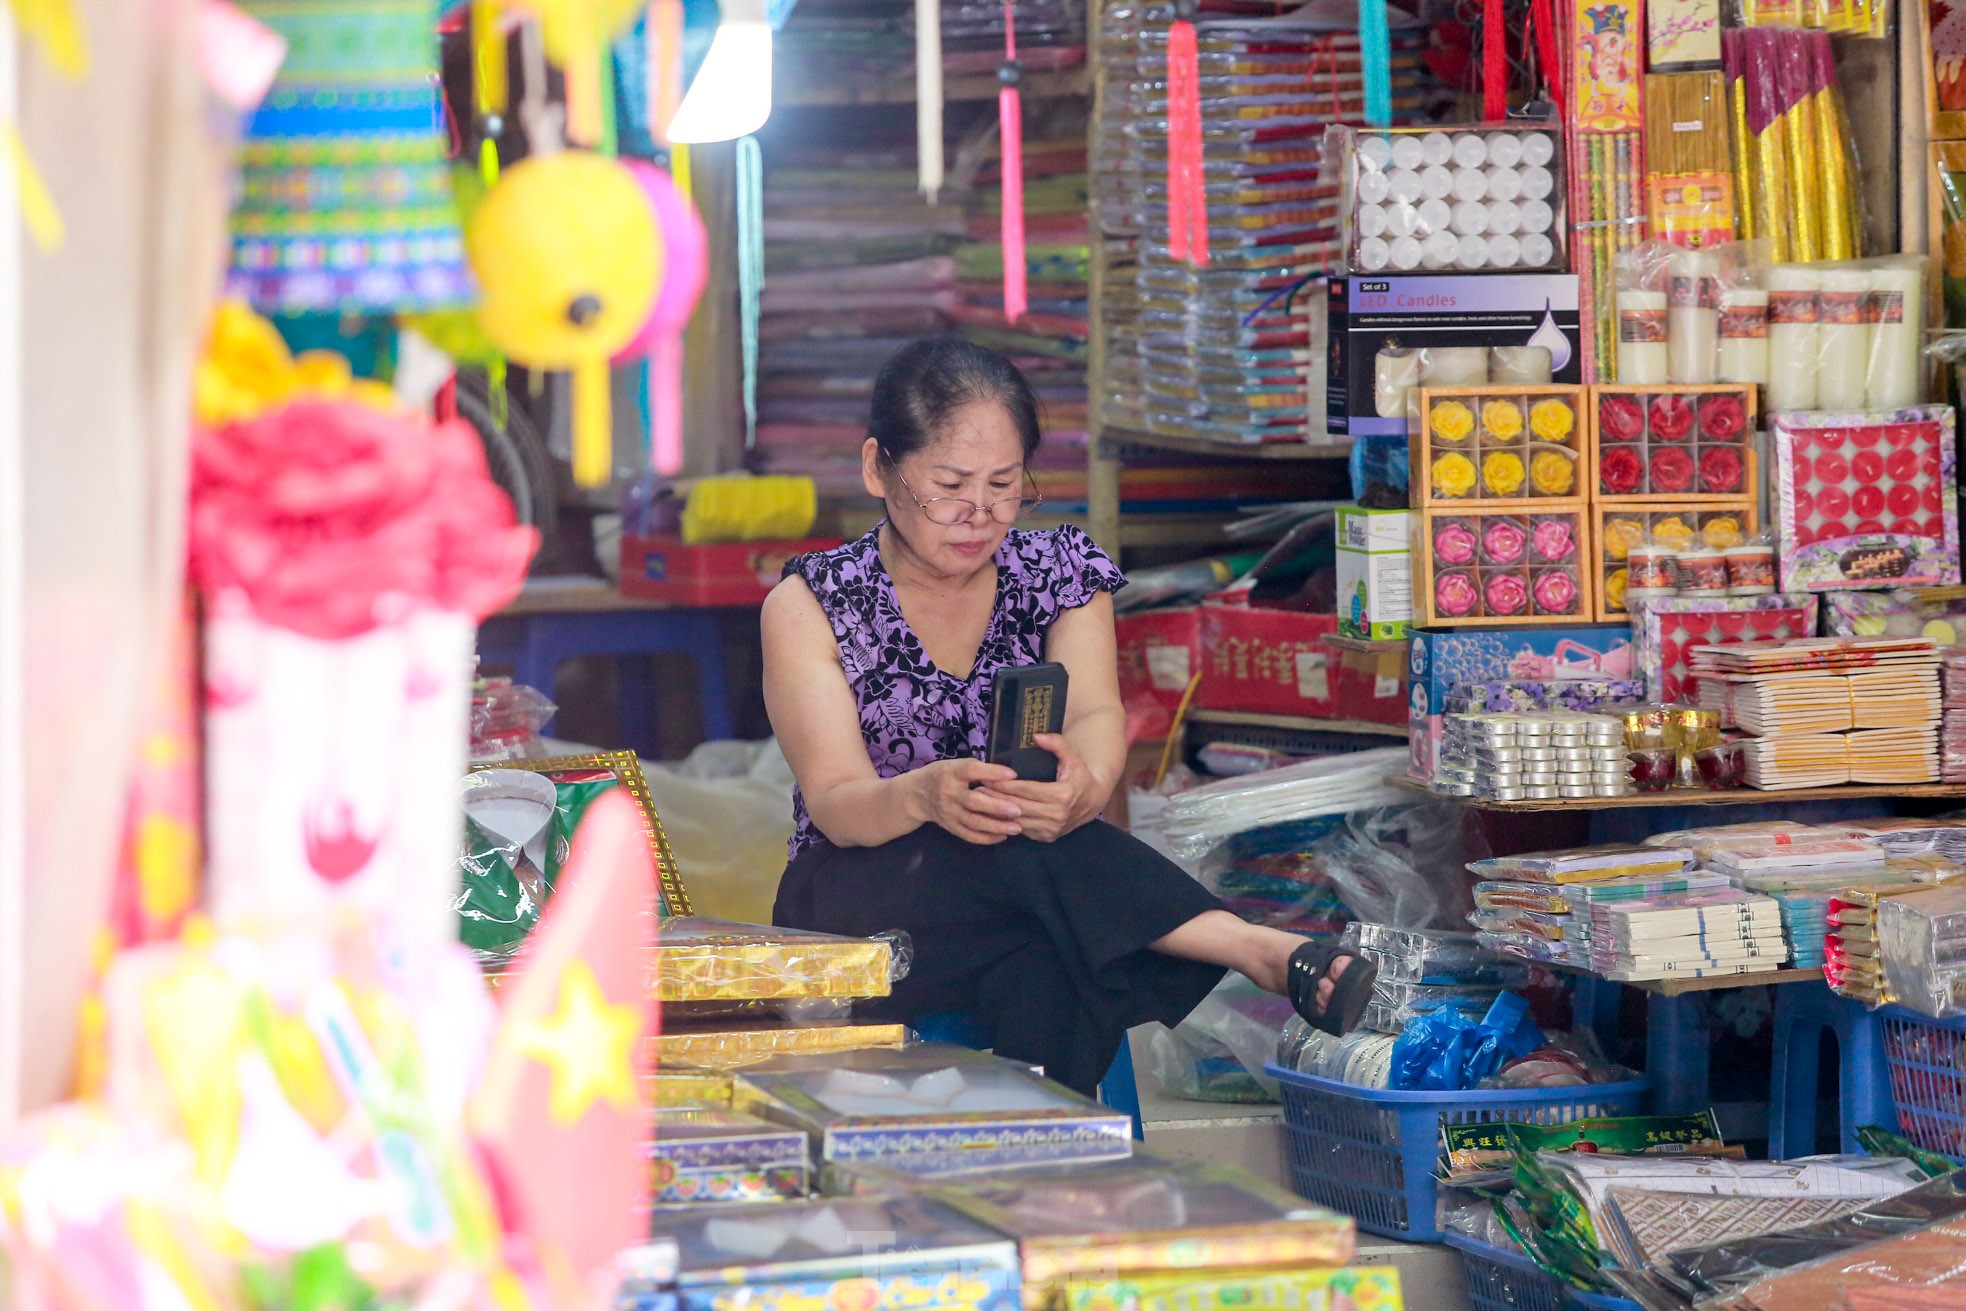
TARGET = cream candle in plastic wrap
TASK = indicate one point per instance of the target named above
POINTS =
(1743, 335)
(1897, 312)
(1792, 341)
(1843, 337)
(1692, 316)
(1519, 366)
(1394, 374)
(1457, 366)
(1641, 337)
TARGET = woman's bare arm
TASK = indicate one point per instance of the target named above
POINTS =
(818, 726)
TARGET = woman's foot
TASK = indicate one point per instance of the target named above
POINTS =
(1329, 986)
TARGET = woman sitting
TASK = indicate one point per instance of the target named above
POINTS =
(1058, 930)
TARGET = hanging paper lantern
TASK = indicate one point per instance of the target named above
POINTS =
(346, 202)
(570, 257)
(686, 267)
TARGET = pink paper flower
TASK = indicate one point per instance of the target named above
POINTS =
(1454, 595)
(1502, 541)
(1505, 594)
(1553, 540)
(329, 514)
(1454, 543)
(1556, 592)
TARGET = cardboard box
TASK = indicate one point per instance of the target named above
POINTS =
(1439, 658)
(1615, 528)
(1489, 568)
(1713, 454)
(1511, 446)
(721, 1157)
(1273, 662)
(1369, 315)
(1159, 652)
(659, 568)
(1375, 572)
(1369, 679)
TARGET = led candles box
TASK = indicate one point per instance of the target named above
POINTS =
(1389, 335)
(1375, 572)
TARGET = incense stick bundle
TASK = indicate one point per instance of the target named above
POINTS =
(1689, 160)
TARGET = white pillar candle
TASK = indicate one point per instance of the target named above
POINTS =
(1897, 311)
(1692, 316)
(1843, 334)
(1519, 366)
(1394, 373)
(1457, 366)
(1792, 292)
(1744, 335)
(1642, 337)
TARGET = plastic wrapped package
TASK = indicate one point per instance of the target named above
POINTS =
(1395, 1004)
(507, 719)
(1463, 199)
(708, 1156)
(1361, 1058)
(679, 1087)
(1432, 956)
(733, 1044)
(932, 1109)
(1218, 1052)
(1143, 1214)
(716, 967)
(510, 856)
(1921, 938)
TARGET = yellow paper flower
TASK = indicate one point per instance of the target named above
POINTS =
(1552, 473)
(1621, 535)
(1672, 530)
(1721, 532)
(1614, 589)
(1503, 419)
(1454, 475)
(1552, 420)
(1452, 421)
(1501, 473)
(246, 370)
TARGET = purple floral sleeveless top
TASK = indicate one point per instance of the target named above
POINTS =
(913, 713)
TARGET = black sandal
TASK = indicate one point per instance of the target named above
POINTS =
(1351, 991)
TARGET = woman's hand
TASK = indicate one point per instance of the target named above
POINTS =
(1051, 810)
(956, 795)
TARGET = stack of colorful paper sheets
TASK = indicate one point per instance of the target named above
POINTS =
(1952, 730)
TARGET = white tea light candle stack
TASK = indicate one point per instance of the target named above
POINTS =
(1453, 201)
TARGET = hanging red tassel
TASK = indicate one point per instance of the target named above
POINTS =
(1494, 63)
(1010, 121)
(1187, 214)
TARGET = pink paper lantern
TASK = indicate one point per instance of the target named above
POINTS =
(660, 340)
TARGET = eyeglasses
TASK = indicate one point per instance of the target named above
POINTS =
(952, 510)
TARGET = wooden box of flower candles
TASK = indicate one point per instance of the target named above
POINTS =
(1616, 529)
(1495, 565)
(1496, 446)
(1671, 444)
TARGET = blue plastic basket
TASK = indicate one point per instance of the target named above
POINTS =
(1371, 1154)
(1928, 1078)
(1503, 1280)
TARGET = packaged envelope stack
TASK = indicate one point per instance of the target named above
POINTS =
(736, 993)
(1952, 727)
(1542, 906)
(1230, 344)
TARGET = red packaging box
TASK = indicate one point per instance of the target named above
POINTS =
(1159, 652)
(660, 568)
(1275, 662)
(1368, 680)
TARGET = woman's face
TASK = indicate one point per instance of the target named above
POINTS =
(978, 457)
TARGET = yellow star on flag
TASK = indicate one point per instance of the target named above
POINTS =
(589, 1045)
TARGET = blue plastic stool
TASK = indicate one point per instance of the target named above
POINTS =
(1119, 1090)
(1803, 1013)
(536, 643)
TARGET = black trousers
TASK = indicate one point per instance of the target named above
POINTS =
(1045, 942)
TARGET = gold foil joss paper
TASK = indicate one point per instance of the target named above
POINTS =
(711, 960)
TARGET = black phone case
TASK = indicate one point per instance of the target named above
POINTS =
(1024, 701)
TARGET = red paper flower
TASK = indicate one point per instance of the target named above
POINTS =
(1619, 470)
(1722, 417)
(1620, 418)
(327, 514)
(1672, 470)
(1672, 418)
(1720, 469)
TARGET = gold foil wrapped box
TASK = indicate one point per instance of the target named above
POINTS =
(729, 1045)
(701, 961)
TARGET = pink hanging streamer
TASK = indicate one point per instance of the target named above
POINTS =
(1010, 118)
(1187, 214)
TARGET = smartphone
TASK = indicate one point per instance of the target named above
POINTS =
(1026, 700)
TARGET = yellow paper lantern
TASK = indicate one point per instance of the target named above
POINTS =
(569, 257)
